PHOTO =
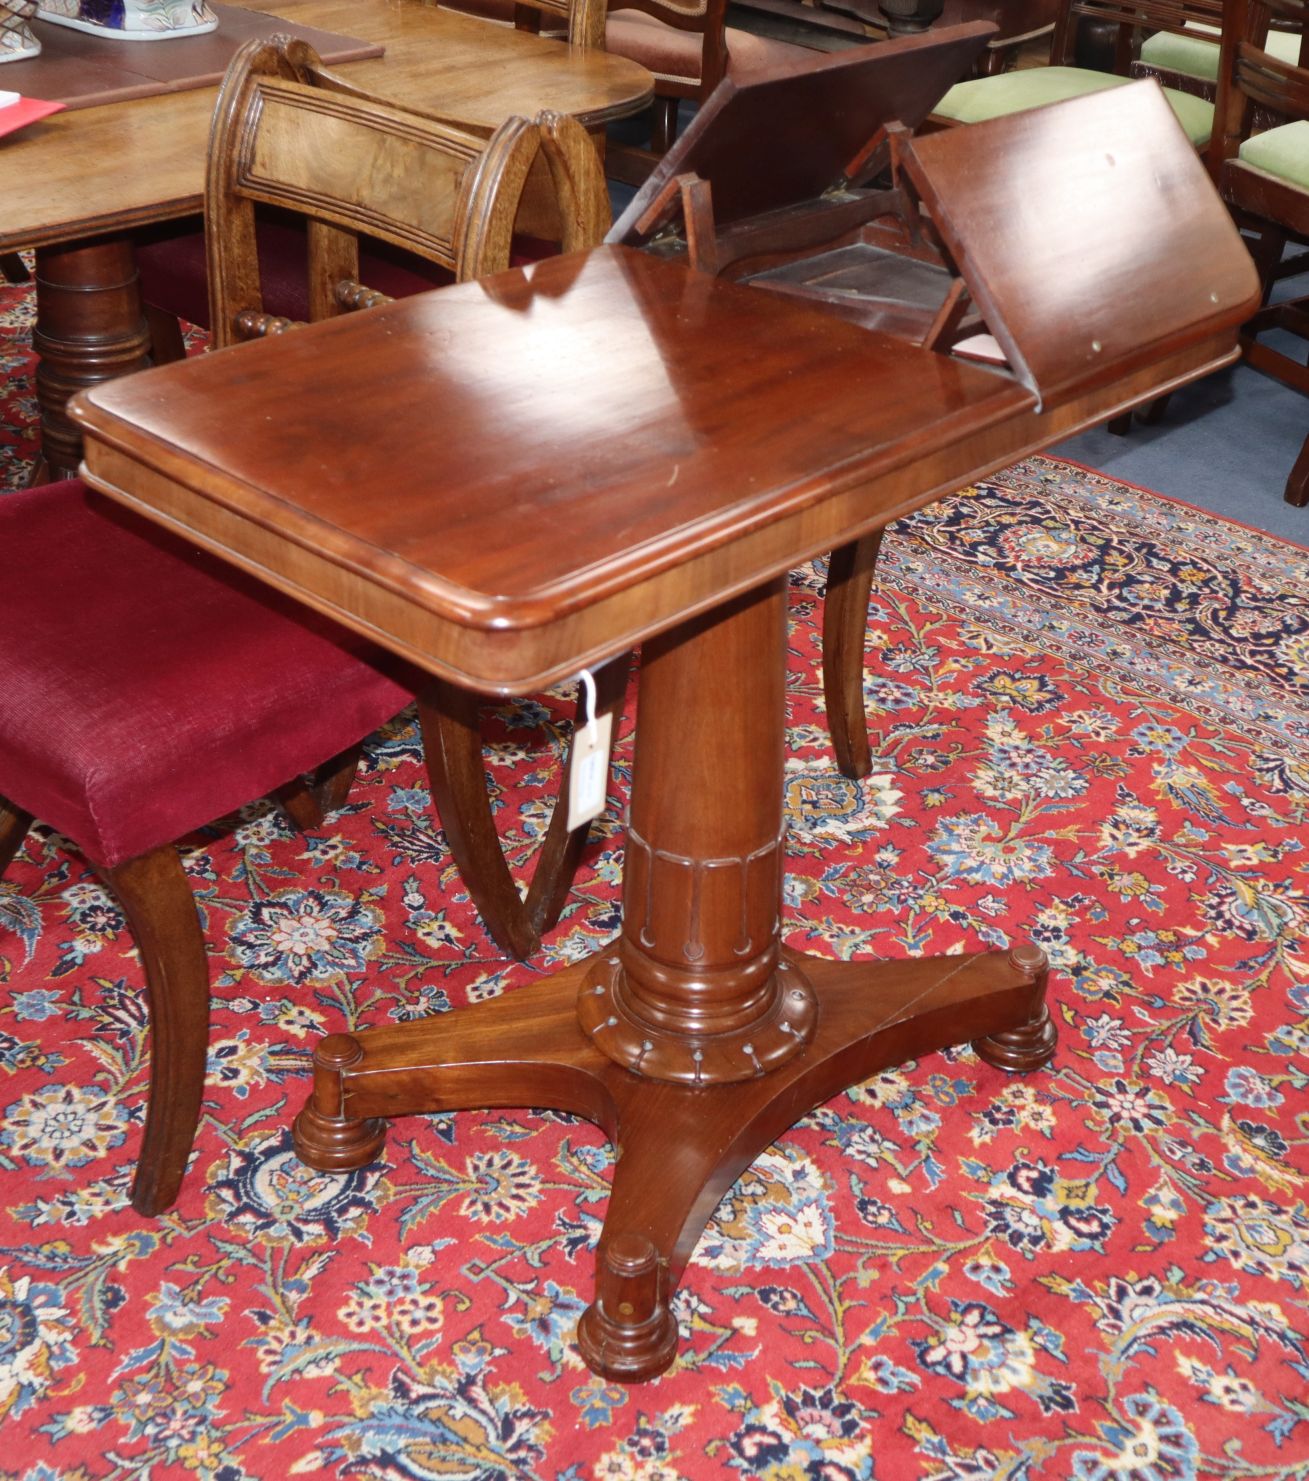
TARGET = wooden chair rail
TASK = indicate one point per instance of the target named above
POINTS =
(1272, 84)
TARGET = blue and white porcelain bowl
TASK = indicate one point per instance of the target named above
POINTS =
(16, 37)
(131, 20)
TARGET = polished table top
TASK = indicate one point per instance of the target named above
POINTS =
(590, 405)
(653, 440)
(138, 161)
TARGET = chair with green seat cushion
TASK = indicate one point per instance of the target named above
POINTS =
(1192, 57)
(1263, 175)
(1013, 92)
(1170, 54)
(1282, 151)
(996, 97)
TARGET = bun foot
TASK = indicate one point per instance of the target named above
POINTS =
(1018, 1049)
(323, 1138)
(628, 1333)
(1032, 1044)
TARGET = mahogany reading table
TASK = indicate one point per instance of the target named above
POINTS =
(524, 476)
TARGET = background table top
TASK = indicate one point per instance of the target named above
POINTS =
(83, 71)
(130, 163)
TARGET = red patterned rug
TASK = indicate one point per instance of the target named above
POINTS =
(1091, 715)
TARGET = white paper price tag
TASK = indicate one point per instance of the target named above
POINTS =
(588, 775)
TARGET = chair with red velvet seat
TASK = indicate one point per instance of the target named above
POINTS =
(146, 689)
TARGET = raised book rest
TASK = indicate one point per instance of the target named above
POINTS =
(1049, 243)
(779, 180)
(691, 442)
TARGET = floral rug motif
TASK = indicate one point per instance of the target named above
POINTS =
(1091, 729)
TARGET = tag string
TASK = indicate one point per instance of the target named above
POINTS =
(590, 700)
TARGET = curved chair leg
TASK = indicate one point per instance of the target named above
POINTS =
(160, 909)
(1266, 246)
(166, 342)
(663, 129)
(561, 852)
(308, 801)
(14, 823)
(845, 625)
(1297, 490)
(1153, 411)
(13, 268)
(452, 743)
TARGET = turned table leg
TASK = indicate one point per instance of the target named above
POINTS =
(89, 328)
(695, 1041)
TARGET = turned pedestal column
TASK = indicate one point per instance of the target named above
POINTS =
(695, 994)
(89, 328)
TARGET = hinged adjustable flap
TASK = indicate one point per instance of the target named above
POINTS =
(1088, 233)
(789, 134)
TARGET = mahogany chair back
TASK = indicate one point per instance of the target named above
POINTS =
(290, 135)
(689, 48)
(703, 18)
(582, 21)
(579, 22)
(1252, 78)
(1128, 21)
(685, 44)
(1259, 157)
(1015, 21)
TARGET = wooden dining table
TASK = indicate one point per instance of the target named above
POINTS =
(76, 185)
